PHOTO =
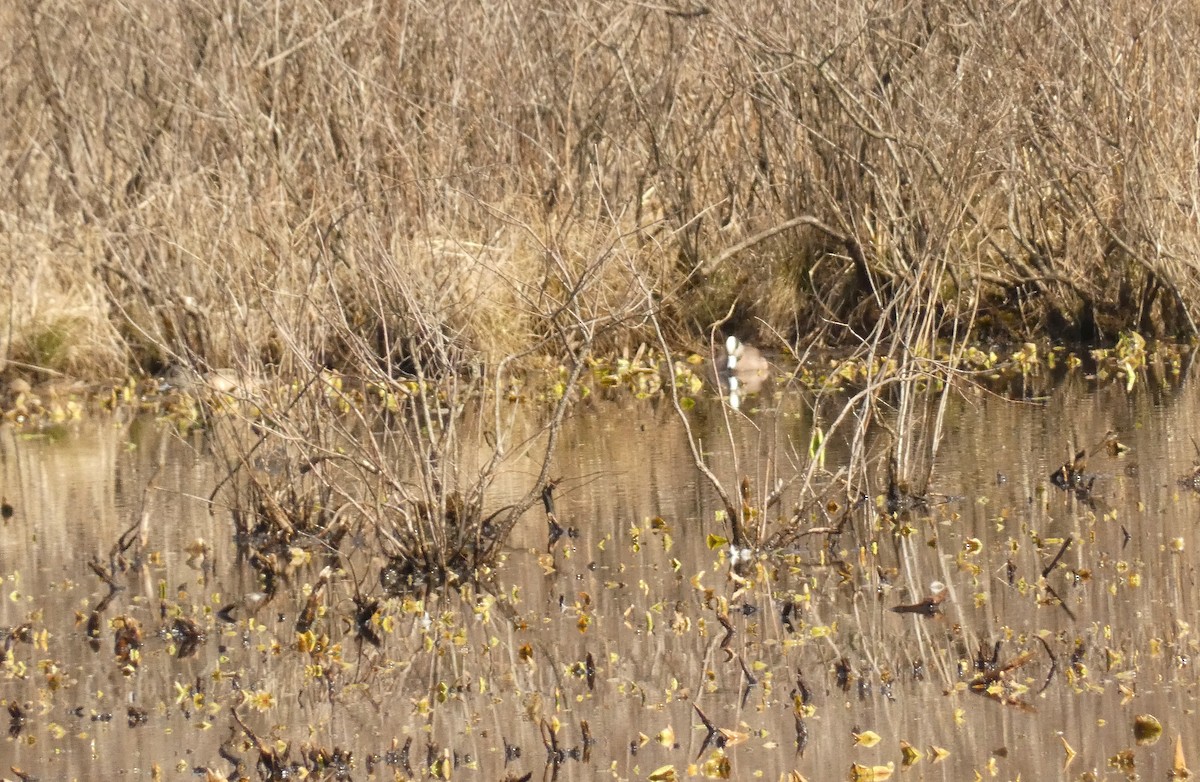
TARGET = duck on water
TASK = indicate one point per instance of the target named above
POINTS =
(219, 381)
(745, 371)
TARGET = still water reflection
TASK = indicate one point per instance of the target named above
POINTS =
(477, 682)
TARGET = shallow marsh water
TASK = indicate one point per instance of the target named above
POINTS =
(638, 590)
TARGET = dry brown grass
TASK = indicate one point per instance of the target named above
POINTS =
(310, 183)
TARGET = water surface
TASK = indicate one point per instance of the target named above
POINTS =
(1106, 635)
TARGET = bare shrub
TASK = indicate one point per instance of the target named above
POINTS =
(1022, 170)
(404, 194)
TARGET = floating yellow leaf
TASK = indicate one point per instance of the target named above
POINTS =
(442, 767)
(911, 754)
(938, 753)
(663, 774)
(666, 737)
(868, 738)
(306, 642)
(1179, 769)
(261, 700)
(1146, 729)
(298, 557)
(716, 541)
(1068, 749)
(717, 766)
(860, 773)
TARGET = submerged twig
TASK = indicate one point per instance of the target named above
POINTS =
(1053, 665)
(728, 637)
(1062, 550)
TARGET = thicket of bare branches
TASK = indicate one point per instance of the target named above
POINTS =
(235, 180)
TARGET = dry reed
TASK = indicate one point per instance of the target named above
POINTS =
(232, 183)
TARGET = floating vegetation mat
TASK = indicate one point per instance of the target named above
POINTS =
(1022, 371)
